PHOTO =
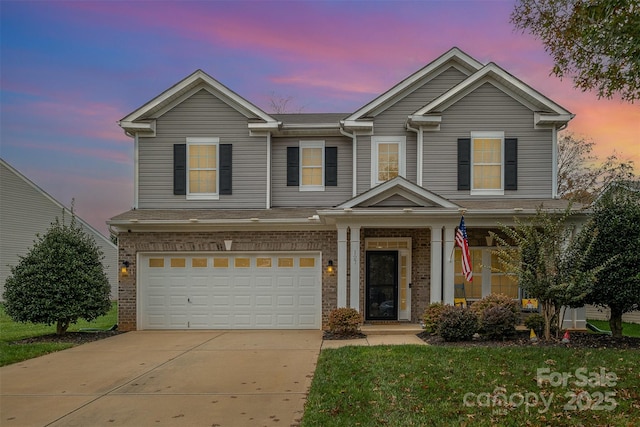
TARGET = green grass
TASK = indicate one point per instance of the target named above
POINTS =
(628, 329)
(417, 385)
(12, 331)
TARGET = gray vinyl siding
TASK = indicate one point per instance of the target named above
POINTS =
(600, 313)
(202, 115)
(488, 109)
(284, 196)
(391, 122)
(25, 211)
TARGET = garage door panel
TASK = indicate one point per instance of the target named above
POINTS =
(230, 291)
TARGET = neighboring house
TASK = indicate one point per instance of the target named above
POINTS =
(26, 211)
(245, 219)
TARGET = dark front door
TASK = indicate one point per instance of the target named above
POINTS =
(382, 285)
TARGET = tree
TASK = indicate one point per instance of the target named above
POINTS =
(549, 264)
(60, 280)
(280, 104)
(593, 41)
(581, 176)
(616, 220)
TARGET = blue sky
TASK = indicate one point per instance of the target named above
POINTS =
(71, 70)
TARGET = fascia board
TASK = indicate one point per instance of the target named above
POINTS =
(418, 75)
(357, 124)
(143, 128)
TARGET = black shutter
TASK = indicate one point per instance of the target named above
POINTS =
(180, 169)
(511, 163)
(464, 164)
(225, 168)
(331, 166)
(293, 166)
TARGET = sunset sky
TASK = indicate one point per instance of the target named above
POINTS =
(71, 70)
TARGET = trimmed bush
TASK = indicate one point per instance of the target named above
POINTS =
(535, 321)
(493, 300)
(344, 321)
(432, 316)
(457, 324)
(498, 322)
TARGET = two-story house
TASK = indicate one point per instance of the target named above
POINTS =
(244, 219)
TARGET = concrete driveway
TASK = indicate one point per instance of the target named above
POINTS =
(166, 378)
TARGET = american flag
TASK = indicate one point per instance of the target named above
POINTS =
(463, 241)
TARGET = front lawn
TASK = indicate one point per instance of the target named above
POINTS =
(12, 331)
(475, 386)
(628, 329)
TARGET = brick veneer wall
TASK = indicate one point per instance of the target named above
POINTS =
(129, 244)
(420, 265)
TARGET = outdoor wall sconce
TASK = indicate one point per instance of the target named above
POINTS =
(330, 268)
(124, 270)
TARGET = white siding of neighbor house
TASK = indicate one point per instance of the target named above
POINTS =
(488, 109)
(202, 115)
(597, 313)
(391, 122)
(283, 196)
(25, 211)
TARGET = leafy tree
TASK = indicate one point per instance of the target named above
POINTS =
(581, 176)
(616, 220)
(60, 280)
(549, 264)
(594, 41)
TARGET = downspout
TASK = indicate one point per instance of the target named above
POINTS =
(554, 163)
(135, 170)
(268, 191)
(419, 151)
(354, 156)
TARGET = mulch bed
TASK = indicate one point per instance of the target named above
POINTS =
(69, 337)
(576, 340)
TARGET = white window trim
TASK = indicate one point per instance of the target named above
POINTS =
(491, 192)
(204, 141)
(375, 141)
(311, 144)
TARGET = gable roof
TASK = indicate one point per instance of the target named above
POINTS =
(453, 57)
(547, 112)
(393, 188)
(143, 119)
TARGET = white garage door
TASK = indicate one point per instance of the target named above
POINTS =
(229, 291)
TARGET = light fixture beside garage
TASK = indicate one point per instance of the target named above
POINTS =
(124, 270)
(330, 268)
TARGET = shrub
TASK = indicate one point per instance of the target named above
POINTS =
(60, 280)
(432, 316)
(344, 321)
(535, 321)
(457, 324)
(493, 300)
(498, 322)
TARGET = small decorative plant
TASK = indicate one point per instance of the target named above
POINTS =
(457, 324)
(431, 317)
(498, 322)
(344, 321)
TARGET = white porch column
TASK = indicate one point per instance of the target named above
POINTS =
(354, 282)
(342, 266)
(448, 267)
(436, 263)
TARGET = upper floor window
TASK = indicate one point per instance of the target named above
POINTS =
(387, 158)
(487, 163)
(202, 168)
(311, 165)
(487, 159)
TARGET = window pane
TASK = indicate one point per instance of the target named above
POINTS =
(312, 176)
(311, 157)
(285, 262)
(202, 156)
(178, 262)
(242, 263)
(388, 161)
(487, 177)
(307, 262)
(202, 181)
(198, 262)
(221, 262)
(263, 262)
(156, 262)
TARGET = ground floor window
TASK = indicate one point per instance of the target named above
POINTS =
(487, 277)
